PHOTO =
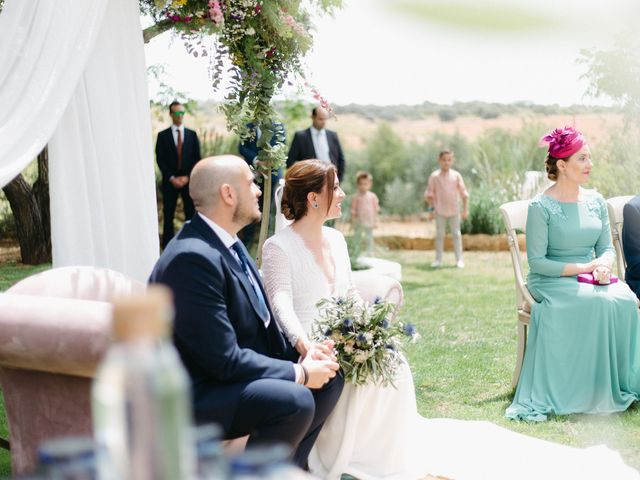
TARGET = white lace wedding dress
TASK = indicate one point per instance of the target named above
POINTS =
(376, 432)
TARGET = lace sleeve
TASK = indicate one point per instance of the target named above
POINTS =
(277, 283)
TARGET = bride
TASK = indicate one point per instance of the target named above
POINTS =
(376, 432)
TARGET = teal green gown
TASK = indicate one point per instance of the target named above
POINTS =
(583, 350)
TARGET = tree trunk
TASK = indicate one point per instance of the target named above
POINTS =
(30, 207)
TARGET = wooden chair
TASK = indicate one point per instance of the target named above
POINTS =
(514, 215)
(615, 206)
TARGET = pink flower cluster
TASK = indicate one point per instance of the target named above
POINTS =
(324, 103)
(178, 18)
(295, 26)
(215, 12)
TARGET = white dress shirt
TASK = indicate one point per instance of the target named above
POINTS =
(320, 144)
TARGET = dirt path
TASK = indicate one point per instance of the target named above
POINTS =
(9, 252)
(411, 229)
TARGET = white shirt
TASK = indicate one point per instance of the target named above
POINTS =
(228, 242)
(320, 144)
(174, 131)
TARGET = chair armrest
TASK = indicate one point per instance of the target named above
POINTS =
(528, 298)
(57, 335)
(372, 285)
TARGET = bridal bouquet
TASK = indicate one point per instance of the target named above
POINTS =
(366, 341)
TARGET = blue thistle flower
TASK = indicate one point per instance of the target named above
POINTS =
(386, 323)
(390, 346)
(409, 329)
(348, 322)
(328, 332)
(377, 299)
(361, 338)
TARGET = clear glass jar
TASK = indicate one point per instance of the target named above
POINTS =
(212, 462)
(67, 458)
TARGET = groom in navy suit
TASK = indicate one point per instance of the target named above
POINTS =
(631, 243)
(245, 376)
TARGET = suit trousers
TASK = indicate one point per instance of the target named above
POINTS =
(275, 411)
(169, 201)
(454, 226)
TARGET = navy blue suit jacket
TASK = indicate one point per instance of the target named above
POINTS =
(631, 242)
(218, 332)
(249, 148)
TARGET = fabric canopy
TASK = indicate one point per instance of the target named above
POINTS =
(75, 77)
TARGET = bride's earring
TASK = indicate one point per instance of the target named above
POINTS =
(315, 205)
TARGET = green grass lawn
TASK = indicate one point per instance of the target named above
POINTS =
(463, 362)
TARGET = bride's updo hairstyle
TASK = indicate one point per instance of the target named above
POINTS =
(301, 179)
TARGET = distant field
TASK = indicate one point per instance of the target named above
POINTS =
(355, 130)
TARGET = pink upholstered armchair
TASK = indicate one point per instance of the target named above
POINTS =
(54, 329)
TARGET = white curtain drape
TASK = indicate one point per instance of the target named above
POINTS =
(77, 80)
(44, 46)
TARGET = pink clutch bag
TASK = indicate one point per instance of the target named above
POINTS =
(588, 278)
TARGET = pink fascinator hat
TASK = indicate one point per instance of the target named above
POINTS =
(563, 142)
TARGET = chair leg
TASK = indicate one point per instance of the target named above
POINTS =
(522, 345)
(4, 444)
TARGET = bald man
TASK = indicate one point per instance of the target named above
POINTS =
(245, 376)
(317, 142)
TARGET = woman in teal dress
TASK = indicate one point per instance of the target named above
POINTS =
(583, 351)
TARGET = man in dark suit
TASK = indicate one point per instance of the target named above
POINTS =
(631, 243)
(244, 373)
(317, 142)
(177, 152)
(249, 150)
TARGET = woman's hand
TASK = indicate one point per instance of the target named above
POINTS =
(602, 274)
(302, 346)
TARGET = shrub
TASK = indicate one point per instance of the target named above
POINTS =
(447, 115)
(214, 143)
(7, 224)
(402, 198)
(484, 213)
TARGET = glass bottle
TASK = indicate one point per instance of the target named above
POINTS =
(141, 396)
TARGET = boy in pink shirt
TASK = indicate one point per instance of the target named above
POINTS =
(443, 191)
(364, 210)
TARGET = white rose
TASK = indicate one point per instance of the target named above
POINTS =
(361, 357)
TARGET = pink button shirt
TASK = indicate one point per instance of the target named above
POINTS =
(443, 191)
(365, 208)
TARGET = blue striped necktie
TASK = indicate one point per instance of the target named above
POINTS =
(244, 263)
